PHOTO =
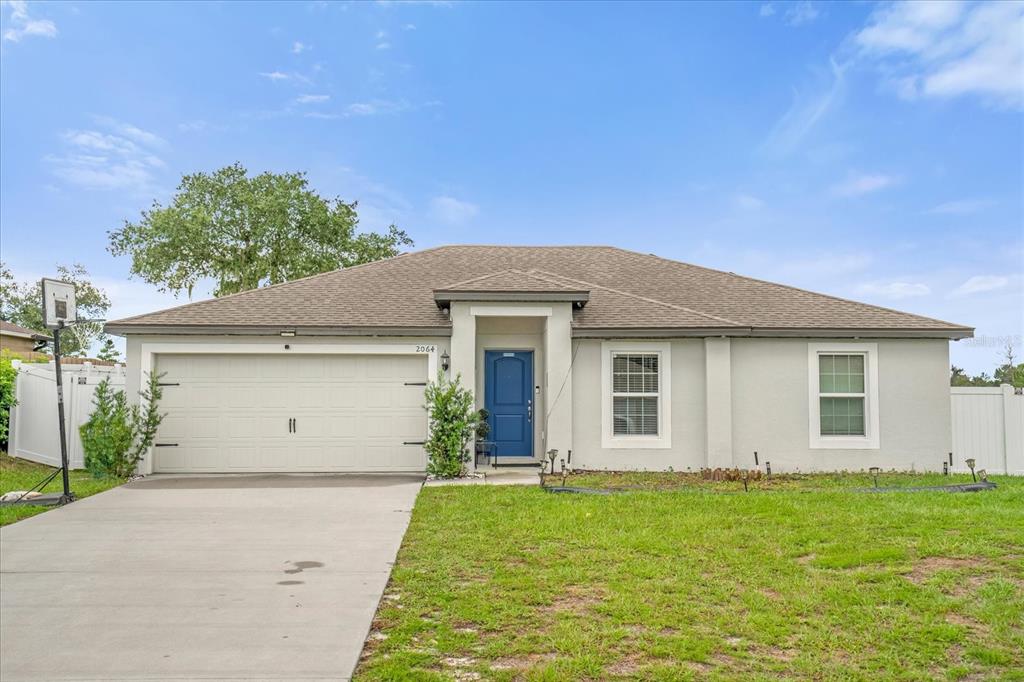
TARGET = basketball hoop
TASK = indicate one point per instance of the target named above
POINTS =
(58, 304)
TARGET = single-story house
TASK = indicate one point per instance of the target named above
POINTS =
(623, 359)
(15, 338)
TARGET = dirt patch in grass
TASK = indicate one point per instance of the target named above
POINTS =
(626, 667)
(929, 566)
(576, 599)
(524, 662)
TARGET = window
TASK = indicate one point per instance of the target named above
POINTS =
(635, 394)
(843, 395)
(636, 398)
(841, 387)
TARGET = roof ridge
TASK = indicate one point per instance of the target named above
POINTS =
(272, 286)
(482, 278)
(790, 287)
(655, 301)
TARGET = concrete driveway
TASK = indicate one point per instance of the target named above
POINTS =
(227, 577)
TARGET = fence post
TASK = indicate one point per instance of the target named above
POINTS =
(12, 415)
(1013, 439)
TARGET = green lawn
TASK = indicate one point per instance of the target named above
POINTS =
(807, 580)
(18, 474)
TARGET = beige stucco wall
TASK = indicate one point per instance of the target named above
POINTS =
(688, 415)
(768, 390)
(770, 404)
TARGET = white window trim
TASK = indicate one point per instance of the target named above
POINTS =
(664, 438)
(870, 439)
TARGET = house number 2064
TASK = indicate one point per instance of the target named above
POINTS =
(425, 349)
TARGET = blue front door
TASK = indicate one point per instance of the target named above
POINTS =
(508, 397)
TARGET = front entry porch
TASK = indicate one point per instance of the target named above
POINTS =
(517, 359)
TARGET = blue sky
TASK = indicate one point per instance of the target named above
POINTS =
(870, 151)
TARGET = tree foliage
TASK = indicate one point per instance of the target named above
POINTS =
(245, 232)
(108, 351)
(8, 376)
(453, 422)
(117, 435)
(1009, 372)
(21, 303)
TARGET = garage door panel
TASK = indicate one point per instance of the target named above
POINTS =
(312, 395)
(352, 413)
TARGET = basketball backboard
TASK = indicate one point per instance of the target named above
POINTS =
(58, 303)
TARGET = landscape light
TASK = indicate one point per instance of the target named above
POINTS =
(970, 465)
(874, 474)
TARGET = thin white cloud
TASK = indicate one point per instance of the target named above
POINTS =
(299, 47)
(452, 211)
(806, 111)
(409, 27)
(894, 290)
(748, 202)
(196, 126)
(122, 157)
(950, 49)
(961, 207)
(981, 284)
(767, 10)
(22, 25)
(800, 13)
(311, 99)
(376, 106)
(861, 184)
(275, 75)
(384, 46)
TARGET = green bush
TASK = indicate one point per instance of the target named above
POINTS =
(453, 422)
(117, 435)
(7, 377)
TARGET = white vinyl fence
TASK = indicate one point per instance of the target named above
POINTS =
(34, 432)
(988, 426)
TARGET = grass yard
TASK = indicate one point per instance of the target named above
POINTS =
(18, 474)
(807, 580)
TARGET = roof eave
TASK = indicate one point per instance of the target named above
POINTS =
(270, 330)
(444, 298)
(755, 332)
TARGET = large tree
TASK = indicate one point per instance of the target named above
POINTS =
(246, 232)
(22, 303)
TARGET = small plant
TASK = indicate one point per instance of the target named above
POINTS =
(453, 423)
(117, 435)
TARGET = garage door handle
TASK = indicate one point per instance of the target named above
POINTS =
(165, 445)
(415, 383)
(414, 442)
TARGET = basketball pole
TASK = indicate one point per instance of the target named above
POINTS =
(68, 496)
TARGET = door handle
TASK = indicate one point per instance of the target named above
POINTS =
(529, 410)
(295, 425)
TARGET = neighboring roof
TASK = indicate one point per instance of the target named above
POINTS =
(11, 329)
(512, 285)
(628, 291)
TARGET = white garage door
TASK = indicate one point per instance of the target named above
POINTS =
(238, 413)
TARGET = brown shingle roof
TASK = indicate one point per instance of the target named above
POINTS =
(628, 290)
(16, 329)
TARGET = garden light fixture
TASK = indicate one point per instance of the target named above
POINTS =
(874, 474)
(445, 360)
(970, 465)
